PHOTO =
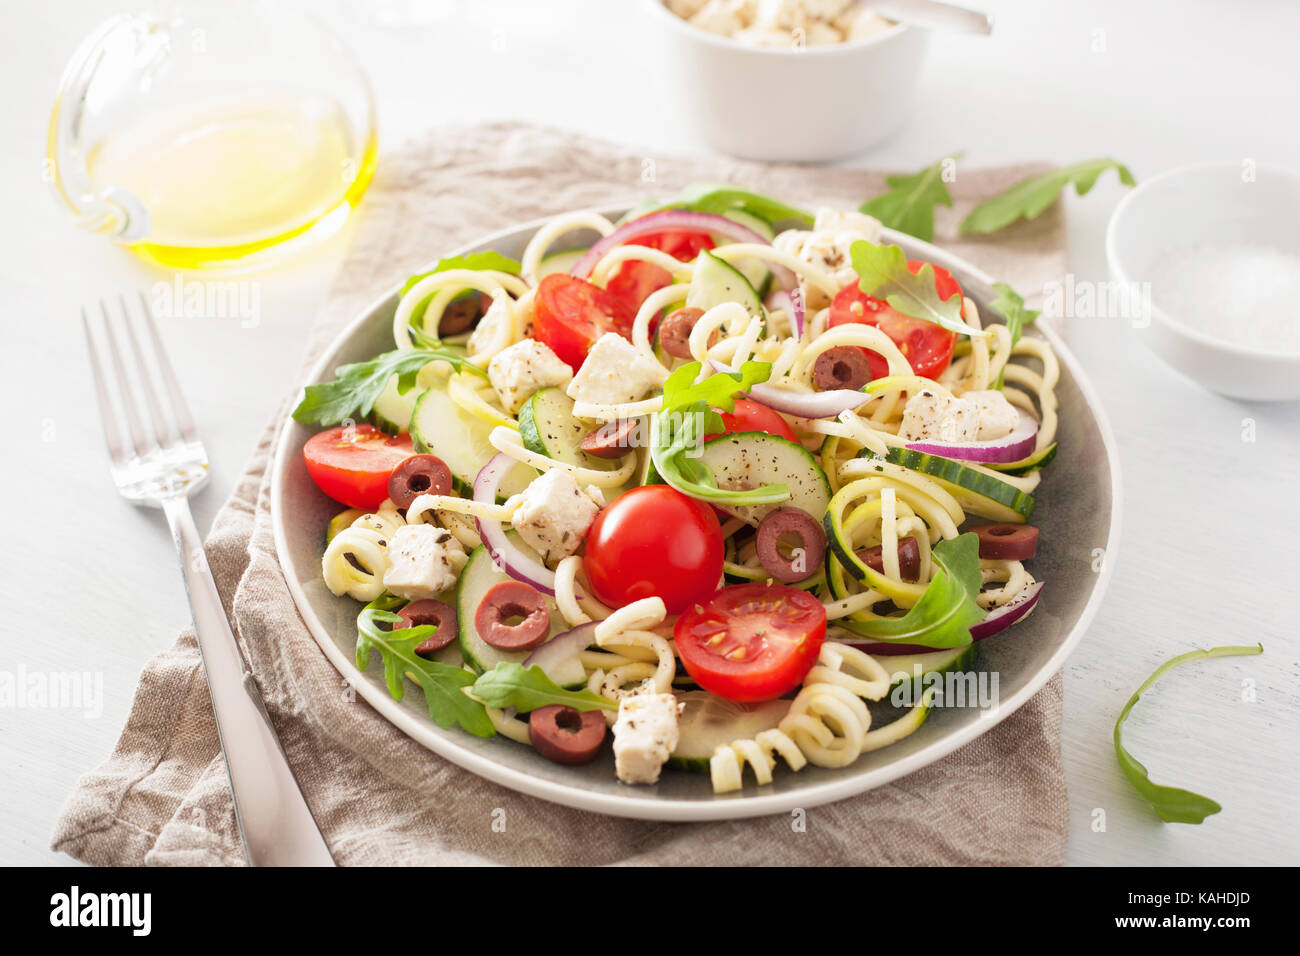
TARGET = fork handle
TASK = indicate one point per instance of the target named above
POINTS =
(276, 825)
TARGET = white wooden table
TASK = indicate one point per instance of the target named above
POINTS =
(1208, 553)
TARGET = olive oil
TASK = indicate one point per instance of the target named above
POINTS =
(223, 183)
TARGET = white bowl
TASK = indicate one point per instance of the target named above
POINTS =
(1210, 204)
(808, 105)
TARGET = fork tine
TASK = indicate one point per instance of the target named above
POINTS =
(180, 409)
(161, 430)
(112, 437)
(133, 423)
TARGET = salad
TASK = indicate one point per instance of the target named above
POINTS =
(700, 492)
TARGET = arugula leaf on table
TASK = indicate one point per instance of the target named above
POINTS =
(487, 261)
(1029, 197)
(510, 685)
(1171, 804)
(1012, 307)
(442, 684)
(909, 204)
(352, 395)
(721, 198)
(884, 274)
(946, 611)
(677, 432)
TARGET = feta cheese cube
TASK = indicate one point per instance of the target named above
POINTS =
(645, 734)
(490, 333)
(997, 416)
(933, 417)
(524, 368)
(614, 372)
(827, 245)
(553, 515)
(423, 561)
(720, 17)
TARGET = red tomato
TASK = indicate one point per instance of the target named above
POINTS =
(570, 314)
(750, 416)
(635, 280)
(352, 463)
(752, 642)
(928, 347)
(650, 541)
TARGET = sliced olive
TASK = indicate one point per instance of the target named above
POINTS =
(675, 331)
(909, 559)
(418, 475)
(844, 366)
(565, 734)
(806, 558)
(1007, 542)
(518, 602)
(611, 440)
(462, 312)
(428, 611)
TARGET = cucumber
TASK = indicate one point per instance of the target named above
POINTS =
(340, 521)
(755, 270)
(392, 410)
(558, 262)
(1039, 459)
(976, 492)
(750, 459)
(548, 427)
(478, 577)
(914, 667)
(716, 281)
(441, 427)
(708, 721)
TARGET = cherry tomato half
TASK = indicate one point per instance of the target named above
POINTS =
(654, 541)
(636, 279)
(570, 314)
(928, 347)
(752, 642)
(352, 463)
(750, 416)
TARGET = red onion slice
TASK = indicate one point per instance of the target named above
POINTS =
(998, 620)
(563, 646)
(804, 404)
(677, 219)
(1013, 447)
(504, 554)
(791, 305)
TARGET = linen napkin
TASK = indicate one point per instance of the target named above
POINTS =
(162, 797)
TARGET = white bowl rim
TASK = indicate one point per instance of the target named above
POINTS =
(1169, 321)
(727, 43)
(752, 804)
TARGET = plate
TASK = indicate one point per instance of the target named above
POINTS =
(1079, 507)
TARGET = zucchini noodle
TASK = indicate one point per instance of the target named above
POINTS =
(615, 258)
(569, 600)
(545, 237)
(365, 543)
(507, 441)
(495, 285)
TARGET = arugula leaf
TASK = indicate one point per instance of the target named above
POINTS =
(947, 609)
(1171, 804)
(884, 274)
(1012, 307)
(442, 684)
(352, 395)
(510, 685)
(719, 198)
(1029, 197)
(909, 204)
(677, 432)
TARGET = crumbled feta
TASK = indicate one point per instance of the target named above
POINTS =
(524, 368)
(720, 17)
(553, 515)
(858, 23)
(615, 371)
(997, 416)
(781, 23)
(423, 561)
(928, 416)
(644, 736)
(827, 246)
(818, 33)
(490, 329)
(685, 8)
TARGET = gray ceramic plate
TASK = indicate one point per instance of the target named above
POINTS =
(1078, 513)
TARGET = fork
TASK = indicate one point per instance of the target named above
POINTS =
(161, 469)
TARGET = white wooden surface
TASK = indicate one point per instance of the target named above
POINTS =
(1209, 547)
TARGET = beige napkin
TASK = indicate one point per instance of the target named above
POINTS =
(380, 798)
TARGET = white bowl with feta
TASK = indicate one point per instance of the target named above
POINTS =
(1214, 257)
(786, 80)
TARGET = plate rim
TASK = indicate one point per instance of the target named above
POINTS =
(744, 804)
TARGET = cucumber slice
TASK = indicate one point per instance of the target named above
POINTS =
(755, 270)
(441, 427)
(558, 262)
(392, 411)
(976, 492)
(478, 577)
(716, 281)
(1034, 462)
(548, 427)
(750, 459)
(708, 721)
(914, 667)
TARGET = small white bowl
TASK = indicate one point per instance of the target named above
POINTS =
(807, 105)
(1221, 204)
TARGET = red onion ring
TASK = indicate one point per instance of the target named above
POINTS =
(1013, 447)
(793, 306)
(998, 620)
(562, 646)
(804, 404)
(504, 554)
(676, 219)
